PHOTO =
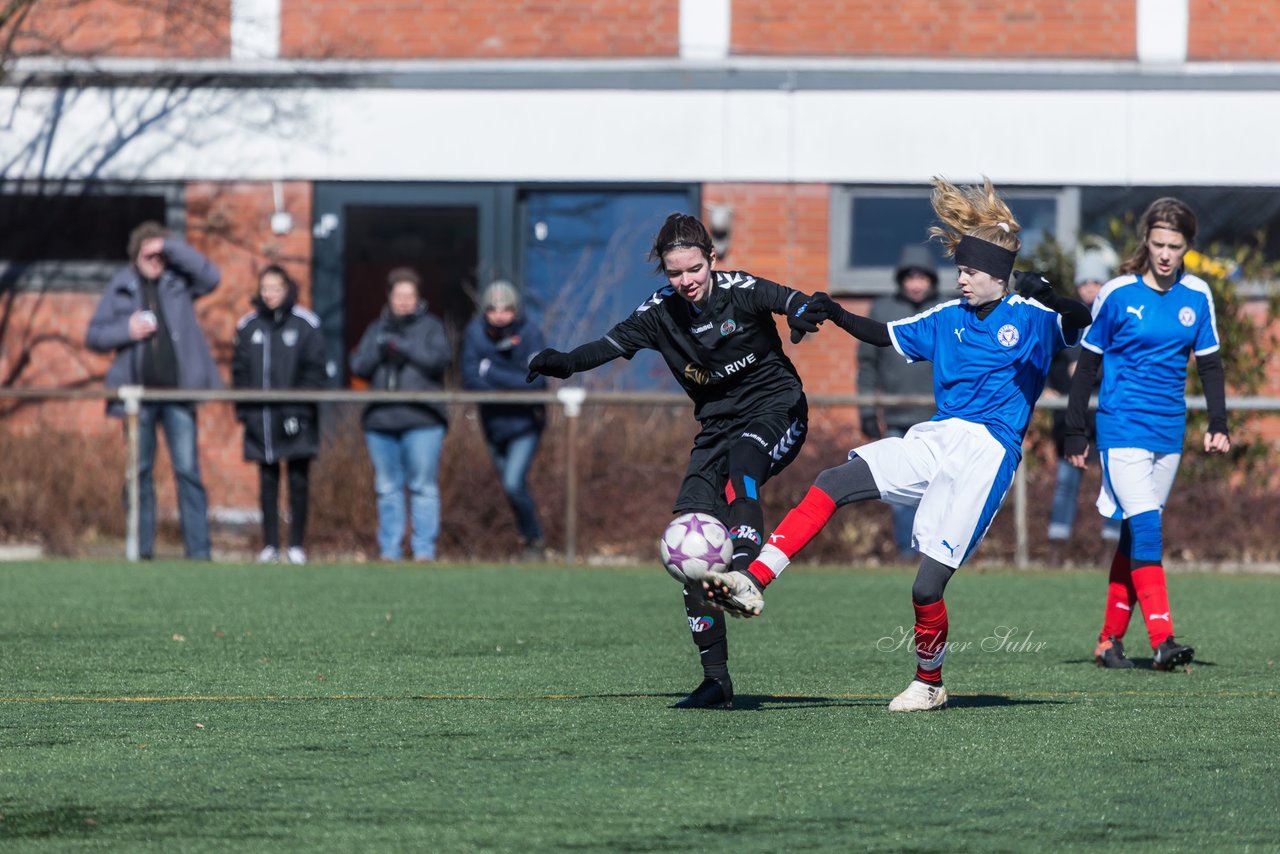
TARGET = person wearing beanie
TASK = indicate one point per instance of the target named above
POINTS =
(496, 348)
(882, 371)
(991, 350)
(1092, 272)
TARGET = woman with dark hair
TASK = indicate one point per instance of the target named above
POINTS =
(1146, 322)
(405, 349)
(279, 345)
(716, 332)
(991, 351)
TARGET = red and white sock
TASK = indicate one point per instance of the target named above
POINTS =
(931, 640)
(795, 531)
(1153, 595)
(1121, 597)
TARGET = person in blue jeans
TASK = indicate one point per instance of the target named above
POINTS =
(405, 349)
(1092, 272)
(496, 349)
(147, 317)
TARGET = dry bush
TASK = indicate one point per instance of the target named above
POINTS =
(629, 464)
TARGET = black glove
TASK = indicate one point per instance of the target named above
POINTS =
(1073, 445)
(550, 363)
(800, 322)
(1032, 285)
(393, 350)
(818, 308)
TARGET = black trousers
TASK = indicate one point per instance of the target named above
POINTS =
(269, 494)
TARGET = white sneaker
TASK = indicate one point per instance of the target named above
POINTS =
(919, 697)
(735, 593)
(269, 555)
(296, 555)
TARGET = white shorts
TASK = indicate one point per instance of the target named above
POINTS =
(954, 472)
(1135, 481)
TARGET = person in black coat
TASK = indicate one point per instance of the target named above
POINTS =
(279, 345)
(496, 349)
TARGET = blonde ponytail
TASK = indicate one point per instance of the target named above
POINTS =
(974, 212)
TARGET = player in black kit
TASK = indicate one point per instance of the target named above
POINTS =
(716, 332)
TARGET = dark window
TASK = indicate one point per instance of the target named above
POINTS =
(83, 227)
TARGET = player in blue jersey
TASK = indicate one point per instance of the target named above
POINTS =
(1146, 323)
(991, 351)
(716, 331)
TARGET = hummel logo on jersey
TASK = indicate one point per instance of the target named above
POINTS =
(656, 299)
(1164, 616)
(738, 364)
(1138, 311)
(959, 331)
(736, 280)
(950, 548)
(706, 327)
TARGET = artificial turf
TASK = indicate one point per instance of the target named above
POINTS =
(175, 706)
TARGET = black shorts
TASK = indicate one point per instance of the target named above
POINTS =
(779, 433)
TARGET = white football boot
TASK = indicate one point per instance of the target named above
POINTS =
(919, 697)
(735, 592)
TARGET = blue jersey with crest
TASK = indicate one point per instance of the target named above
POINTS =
(989, 371)
(1145, 338)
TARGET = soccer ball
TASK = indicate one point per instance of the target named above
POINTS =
(693, 545)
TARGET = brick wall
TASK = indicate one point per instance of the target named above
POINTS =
(937, 28)
(126, 28)
(445, 29)
(780, 232)
(1236, 30)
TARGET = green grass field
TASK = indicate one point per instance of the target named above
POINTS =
(200, 707)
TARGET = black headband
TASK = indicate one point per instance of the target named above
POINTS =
(995, 261)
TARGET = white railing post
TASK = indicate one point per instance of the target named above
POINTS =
(131, 396)
(571, 398)
(1021, 550)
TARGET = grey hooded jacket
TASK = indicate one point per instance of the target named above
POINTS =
(188, 275)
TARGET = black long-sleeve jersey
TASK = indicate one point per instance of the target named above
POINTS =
(727, 356)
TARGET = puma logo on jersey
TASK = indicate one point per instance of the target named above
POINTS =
(738, 364)
(1164, 616)
(1138, 311)
(959, 332)
(950, 547)
(773, 538)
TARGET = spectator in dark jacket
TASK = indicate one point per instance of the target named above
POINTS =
(882, 371)
(496, 350)
(405, 349)
(279, 345)
(146, 315)
(1092, 272)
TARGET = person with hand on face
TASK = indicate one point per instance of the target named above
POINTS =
(1146, 323)
(497, 347)
(881, 371)
(147, 317)
(405, 349)
(990, 350)
(716, 332)
(279, 345)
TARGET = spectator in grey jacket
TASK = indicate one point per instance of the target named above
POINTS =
(146, 315)
(405, 349)
(882, 371)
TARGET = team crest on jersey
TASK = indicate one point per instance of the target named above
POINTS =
(1187, 315)
(728, 327)
(257, 336)
(1008, 335)
(289, 337)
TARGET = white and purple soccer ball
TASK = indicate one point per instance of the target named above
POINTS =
(693, 545)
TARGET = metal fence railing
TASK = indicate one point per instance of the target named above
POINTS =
(572, 400)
